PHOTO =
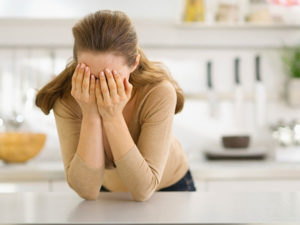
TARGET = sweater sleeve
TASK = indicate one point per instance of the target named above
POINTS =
(82, 178)
(141, 168)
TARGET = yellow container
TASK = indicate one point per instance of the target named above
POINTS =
(194, 11)
(20, 147)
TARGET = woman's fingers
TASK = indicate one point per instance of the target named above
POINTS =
(92, 85)
(111, 84)
(104, 88)
(128, 87)
(86, 82)
(99, 96)
(79, 78)
(74, 78)
(119, 83)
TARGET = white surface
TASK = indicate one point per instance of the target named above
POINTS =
(167, 9)
(240, 170)
(151, 32)
(237, 152)
(253, 185)
(31, 186)
(201, 168)
(219, 175)
(161, 208)
(32, 171)
(60, 186)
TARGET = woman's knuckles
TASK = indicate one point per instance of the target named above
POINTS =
(115, 100)
(107, 102)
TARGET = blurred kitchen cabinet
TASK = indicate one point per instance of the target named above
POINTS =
(36, 186)
(252, 185)
(60, 186)
(200, 185)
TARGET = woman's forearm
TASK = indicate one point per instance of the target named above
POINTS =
(90, 147)
(120, 142)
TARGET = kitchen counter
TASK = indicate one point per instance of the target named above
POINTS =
(161, 208)
(32, 171)
(201, 168)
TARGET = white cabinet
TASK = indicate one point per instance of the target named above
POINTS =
(60, 186)
(253, 185)
(200, 185)
(36, 186)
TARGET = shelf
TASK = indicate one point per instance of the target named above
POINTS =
(218, 25)
(248, 97)
(156, 34)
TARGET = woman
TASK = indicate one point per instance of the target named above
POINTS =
(114, 111)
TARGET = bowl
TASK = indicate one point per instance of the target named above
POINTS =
(20, 147)
(236, 141)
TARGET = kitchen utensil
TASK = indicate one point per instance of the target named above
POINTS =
(238, 98)
(15, 121)
(212, 98)
(260, 96)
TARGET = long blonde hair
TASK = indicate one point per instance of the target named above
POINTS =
(107, 31)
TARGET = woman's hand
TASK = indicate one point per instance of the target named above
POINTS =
(112, 95)
(83, 90)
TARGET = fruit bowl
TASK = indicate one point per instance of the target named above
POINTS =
(20, 147)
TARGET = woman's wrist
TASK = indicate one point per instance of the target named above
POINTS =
(91, 117)
(117, 119)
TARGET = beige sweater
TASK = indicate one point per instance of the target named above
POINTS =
(157, 159)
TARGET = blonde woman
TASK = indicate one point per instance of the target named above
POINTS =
(114, 112)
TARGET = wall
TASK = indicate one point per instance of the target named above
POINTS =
(160, 10)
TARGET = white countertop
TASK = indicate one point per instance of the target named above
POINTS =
(161, 208)
(201, 168)
(32, 171)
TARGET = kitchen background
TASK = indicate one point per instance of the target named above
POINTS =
(237, 61)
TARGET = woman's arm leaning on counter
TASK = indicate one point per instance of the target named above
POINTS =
(82, 150)
(141, 167)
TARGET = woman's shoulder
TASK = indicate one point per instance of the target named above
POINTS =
(162, 89)
(67, 106)
(160, 98)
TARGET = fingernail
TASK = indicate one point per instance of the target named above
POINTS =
(102, 74)
(82, 65)
(86, 69)
(77, 65)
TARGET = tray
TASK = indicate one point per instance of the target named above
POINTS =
(248, 153)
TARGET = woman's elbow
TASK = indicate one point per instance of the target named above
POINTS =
(144, 192)
(87, 194)
(142, 196)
